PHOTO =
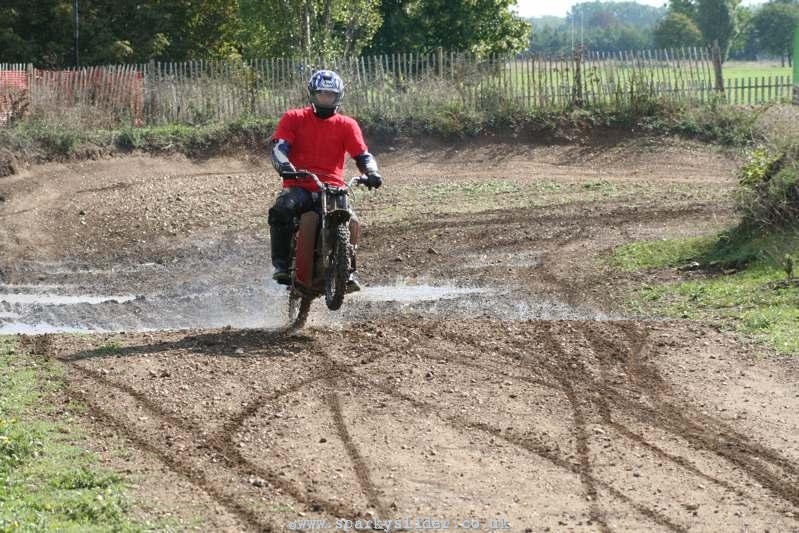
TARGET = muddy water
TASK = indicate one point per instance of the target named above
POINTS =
(261, 305)
(227, 283)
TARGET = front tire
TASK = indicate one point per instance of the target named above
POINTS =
(338, 267)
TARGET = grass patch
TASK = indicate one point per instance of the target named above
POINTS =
(47, 483)
(659, 254)
(746, 284)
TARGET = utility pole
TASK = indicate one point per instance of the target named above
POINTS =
(77, 49)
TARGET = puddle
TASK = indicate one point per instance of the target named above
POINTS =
(17, 328)
(58, 299)
(263, 305)
(414, 293)
(241, 295)
(16, 287)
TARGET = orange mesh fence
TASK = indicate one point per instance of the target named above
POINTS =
(101, 95)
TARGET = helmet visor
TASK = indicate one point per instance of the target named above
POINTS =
(325, 99)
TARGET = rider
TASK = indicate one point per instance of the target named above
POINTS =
(313, 138)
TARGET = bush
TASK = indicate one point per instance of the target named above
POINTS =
(768, 195)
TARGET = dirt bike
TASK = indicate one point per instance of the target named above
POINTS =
(322, 256)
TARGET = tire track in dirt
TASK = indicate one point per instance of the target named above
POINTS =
(465, 425)
(220, 445)
(358, 463)
(545, 354)
(609, 353)
(221, 442)
(704, 432)
(580, 432)
(527, 217)
(628, 355)
(331, 370)
(478, 341)
(578, 373)
(194, 474)
(582, 470)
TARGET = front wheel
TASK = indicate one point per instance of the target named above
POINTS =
(337, 272)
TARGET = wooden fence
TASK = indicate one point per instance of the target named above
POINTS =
(399, 85)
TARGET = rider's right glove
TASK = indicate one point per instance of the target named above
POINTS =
(373, 179)
(285, 168)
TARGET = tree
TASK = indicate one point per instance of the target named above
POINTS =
(116, 31)
(744, 46)
(683, 7)
(774, 25)
(550, 37)
(677, 30)
(399, 28)
(481, 26)
(716, 20)
(308, 27)
(38, 32)
(603, 14)
(611, 26)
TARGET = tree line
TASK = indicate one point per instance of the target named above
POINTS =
(63, 33)
(742, 32)
(60, 33)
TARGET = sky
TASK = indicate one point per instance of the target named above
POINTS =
(559, 8)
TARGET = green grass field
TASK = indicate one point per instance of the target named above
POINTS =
(745, 82)
(749, 82)
(754, 69)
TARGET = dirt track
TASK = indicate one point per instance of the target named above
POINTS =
(534, 401)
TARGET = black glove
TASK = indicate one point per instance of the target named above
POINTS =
(285, 168)
(373, 179)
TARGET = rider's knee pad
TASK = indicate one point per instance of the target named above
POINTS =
(284, 210)
(280, 216)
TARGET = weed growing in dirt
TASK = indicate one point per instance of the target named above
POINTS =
(46, 481)
(744, 280)
(109, 348)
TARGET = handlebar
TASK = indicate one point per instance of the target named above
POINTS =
(357, 180)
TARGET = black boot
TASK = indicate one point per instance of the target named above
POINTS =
(281, 249)
(353, 285)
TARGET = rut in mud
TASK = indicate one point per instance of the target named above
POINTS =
(486, 373)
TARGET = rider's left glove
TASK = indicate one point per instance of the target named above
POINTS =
(373, 179)
(285, 168)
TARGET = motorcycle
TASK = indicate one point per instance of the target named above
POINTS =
(322, 256)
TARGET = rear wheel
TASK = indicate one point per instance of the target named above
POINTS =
(299, 306)
(338, 267)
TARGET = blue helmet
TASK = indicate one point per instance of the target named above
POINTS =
(329, 82)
